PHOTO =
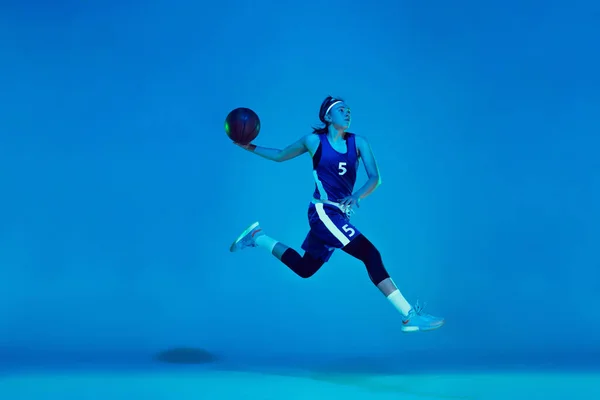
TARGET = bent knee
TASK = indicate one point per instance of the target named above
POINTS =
(306, 274)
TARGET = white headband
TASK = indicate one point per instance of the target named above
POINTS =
(332, 104)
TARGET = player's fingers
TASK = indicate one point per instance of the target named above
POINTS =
(243, 146)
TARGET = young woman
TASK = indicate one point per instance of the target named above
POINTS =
(335, 154)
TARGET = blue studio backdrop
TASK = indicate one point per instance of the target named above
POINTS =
(121, 192)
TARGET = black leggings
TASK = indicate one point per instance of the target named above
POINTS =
(360, 248)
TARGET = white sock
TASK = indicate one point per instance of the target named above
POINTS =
(399, 302)
(266, 242)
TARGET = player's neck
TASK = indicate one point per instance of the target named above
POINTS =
(335, 134)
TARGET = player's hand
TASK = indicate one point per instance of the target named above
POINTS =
(350, 201)
(248, 146)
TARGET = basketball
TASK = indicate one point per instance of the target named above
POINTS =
(242, 125)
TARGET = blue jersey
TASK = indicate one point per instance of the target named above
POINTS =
(335, 172)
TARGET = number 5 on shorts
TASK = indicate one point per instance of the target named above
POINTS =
(347, 229)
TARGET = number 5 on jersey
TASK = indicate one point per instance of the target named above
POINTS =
(342, 167)
(348, 230)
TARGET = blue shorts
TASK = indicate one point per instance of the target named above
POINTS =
(330, 229)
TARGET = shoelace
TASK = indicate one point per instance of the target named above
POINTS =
(420, 309)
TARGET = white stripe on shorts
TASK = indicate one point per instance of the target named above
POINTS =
(330, 225)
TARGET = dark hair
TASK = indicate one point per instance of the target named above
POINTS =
(329, 100)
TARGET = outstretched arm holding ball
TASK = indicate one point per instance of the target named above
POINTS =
(292, 151)
(242, 125)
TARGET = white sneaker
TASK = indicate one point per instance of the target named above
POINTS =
(247, 238)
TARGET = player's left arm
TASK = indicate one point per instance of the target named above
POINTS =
(374, 178)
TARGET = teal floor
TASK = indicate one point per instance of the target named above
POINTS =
(208, 383)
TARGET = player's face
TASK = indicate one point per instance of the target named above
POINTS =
(339, 116)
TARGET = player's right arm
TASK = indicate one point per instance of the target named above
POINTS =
(292, 151)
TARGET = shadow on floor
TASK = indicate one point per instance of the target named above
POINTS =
(185, 355)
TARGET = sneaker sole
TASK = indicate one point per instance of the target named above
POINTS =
(243, 234)
(409, 329)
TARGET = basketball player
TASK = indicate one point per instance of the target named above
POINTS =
(335, 154)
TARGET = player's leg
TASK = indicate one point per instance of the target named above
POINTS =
(335, 230)
(414, 317)
(304, 266)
